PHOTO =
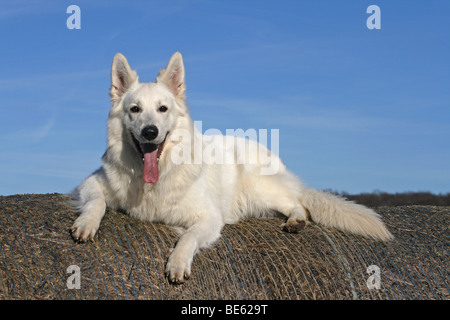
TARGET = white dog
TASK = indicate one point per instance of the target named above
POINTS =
(159, 167)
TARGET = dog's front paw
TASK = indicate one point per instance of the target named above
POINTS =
(84, 229)
(178, 268)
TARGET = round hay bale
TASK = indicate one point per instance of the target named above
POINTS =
(253, 259)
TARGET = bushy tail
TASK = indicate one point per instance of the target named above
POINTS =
(333, 211)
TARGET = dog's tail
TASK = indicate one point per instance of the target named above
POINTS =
(333, 211)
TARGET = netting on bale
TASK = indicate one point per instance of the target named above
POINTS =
(253, 259)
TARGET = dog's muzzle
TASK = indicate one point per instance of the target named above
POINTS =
(149, 152)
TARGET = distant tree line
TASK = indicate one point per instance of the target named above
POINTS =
(380, 198)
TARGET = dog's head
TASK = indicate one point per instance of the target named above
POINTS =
(148, 111)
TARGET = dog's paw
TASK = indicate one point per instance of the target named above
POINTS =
(178, 269)
(84, 229)
(294, 226)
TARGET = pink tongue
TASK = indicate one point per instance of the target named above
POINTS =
(151, 172)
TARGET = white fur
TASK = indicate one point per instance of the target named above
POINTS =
(199, 196)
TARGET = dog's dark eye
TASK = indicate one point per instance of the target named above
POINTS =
(162, 109)
(135, 109)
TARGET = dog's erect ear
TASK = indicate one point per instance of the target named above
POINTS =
(121, 77)
(173, 76)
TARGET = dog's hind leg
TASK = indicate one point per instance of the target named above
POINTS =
(285, 194)
(89, 200)
(297, 220)
(289, 205)
(280, 193)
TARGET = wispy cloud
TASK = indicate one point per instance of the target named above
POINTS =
(72, 165)
(10, 9)
(285, 113)
(35, 134)
(41, 132)
(49, 80)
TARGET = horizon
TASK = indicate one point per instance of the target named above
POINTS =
(357, 109)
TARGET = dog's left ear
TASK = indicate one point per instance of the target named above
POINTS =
(173, 76)
(122, 77)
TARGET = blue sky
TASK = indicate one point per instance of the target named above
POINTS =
(357, 109)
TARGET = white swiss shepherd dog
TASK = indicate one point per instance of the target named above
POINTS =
(151, 170)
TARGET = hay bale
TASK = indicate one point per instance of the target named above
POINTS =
(253, 259)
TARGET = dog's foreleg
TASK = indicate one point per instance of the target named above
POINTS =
(200, 235)
(90, 202)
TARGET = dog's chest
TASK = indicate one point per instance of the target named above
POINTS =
(157, 204)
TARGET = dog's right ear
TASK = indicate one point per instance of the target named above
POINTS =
(173, 76)
(121, 77)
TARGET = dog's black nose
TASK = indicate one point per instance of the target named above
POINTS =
(150, 132)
